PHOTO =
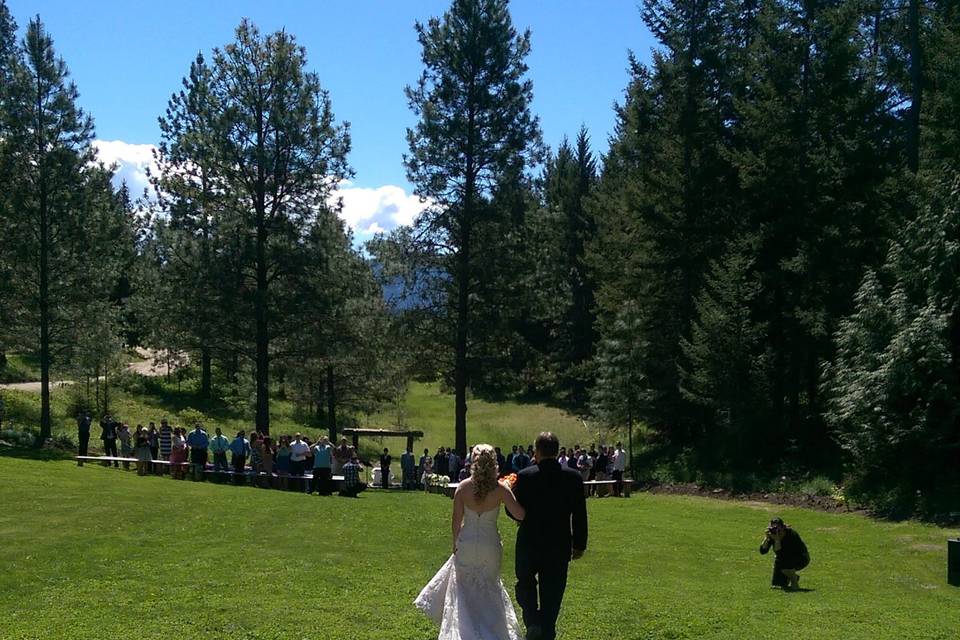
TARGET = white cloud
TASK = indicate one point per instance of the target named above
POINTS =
(366, 210)
(374, 210)
(132, 162)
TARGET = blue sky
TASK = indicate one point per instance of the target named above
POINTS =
(127, 57)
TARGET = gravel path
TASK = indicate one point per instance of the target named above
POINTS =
(149, 366)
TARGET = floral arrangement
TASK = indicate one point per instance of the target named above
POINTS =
(510, 480)
(437, 480)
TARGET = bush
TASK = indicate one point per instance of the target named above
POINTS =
(818, 486)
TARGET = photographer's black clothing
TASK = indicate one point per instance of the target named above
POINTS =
(793, 555)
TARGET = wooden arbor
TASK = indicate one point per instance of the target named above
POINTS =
(382, 433)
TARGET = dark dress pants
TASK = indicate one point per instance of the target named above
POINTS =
(83, 445)
(541, 582)
(322, 480)
(110, 450)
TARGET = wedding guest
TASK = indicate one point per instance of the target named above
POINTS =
(426, 464)
(619, 466)
(142, 452)
(509, 462)
(178, 454)
(240, 450)
(790, 551)
(323, 467)
(198, 441)
(166, 439)
(500, 459)
(574, 457)
(453, 464)
(283, 462)
(520, 461)
(341, 456)
(422, 465)
(269, 453)
(219, 445)
(408, 470)
(298, 457)
(126, 450)
(351, 478)
(601, 464)
(593, 462)
(584, 465)
(562, 458)
(108, 434)
(385, 461)
(256, 456)
(154, 437)
(83, 434)
(440, 462)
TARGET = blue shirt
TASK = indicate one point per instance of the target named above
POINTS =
(240, 447)
(322, 456)
(198, 439)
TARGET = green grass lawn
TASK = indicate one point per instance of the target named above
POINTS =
(504, 423)
(425, 408)
(98, 553)
(20, 368)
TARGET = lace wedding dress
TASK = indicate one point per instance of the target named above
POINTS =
(466, 597)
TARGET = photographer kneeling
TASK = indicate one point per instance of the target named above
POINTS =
(790, 551)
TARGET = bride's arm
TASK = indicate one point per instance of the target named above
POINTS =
(517, 511)
(457, 515)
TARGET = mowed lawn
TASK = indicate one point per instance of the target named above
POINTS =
(100, 553)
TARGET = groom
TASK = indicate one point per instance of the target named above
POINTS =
(553, 533)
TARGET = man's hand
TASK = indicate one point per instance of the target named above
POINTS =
(576, 554)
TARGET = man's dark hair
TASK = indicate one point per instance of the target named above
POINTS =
(548, 445)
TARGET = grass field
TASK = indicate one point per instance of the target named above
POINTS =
(93, 553)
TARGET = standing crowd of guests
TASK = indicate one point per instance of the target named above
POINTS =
(288, 462)
(295, 462)
(605, 463)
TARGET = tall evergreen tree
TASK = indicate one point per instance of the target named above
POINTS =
(569, 180)
(280, 154)
(9, 58)
(475, 127)
(193, 193)
(62, 220)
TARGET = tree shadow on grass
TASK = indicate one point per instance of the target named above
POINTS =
(43, 455)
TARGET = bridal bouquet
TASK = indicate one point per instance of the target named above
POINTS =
(510, 480)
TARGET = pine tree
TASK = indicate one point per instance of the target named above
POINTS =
(194, 195)
(475, 128)
(280, 154)
(894, 387)
(63, 225)
(9, 58)
(570, 177)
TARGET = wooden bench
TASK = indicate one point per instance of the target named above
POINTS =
(605, 487)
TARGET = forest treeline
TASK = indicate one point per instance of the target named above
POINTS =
(761, 269)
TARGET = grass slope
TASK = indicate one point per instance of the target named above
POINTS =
(93, 552)
(425, 408)
(428, 409)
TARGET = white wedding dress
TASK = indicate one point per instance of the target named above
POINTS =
(467, 597)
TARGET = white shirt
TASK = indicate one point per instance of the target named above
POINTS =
(299, 450)
(619, 460)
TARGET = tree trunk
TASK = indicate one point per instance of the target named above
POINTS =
(916, 86)
(331, 405)
(319, 402)
(44, 313)
(206, 385)
(263, 337)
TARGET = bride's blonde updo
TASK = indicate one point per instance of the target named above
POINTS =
(483, 470)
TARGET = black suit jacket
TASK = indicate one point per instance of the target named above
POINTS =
(556, 519)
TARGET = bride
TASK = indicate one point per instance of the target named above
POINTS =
(466, 597)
